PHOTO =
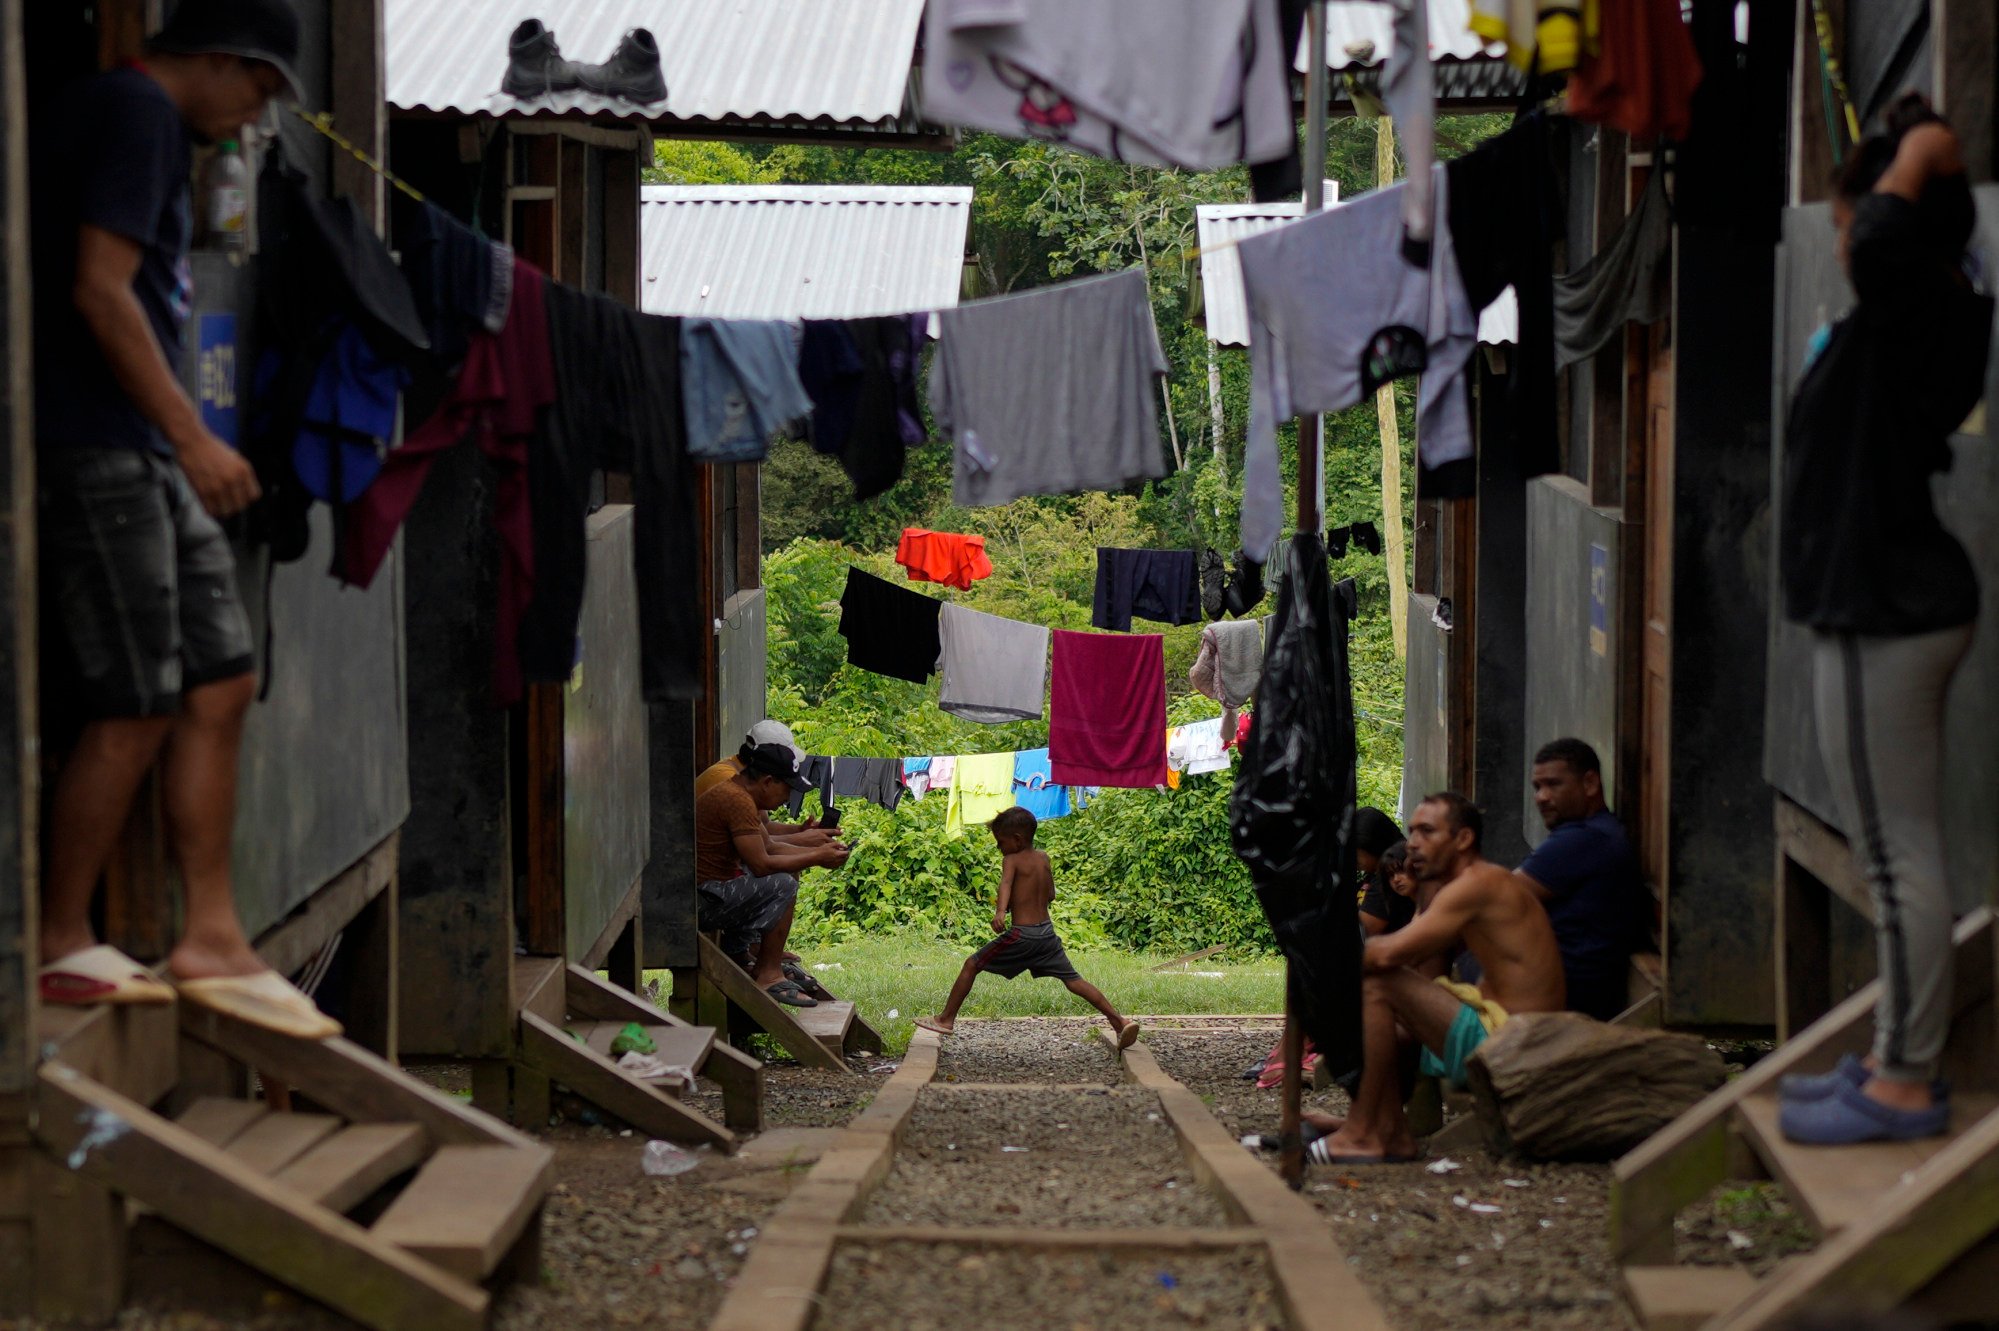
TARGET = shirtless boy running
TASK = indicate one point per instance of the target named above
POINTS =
(1027, 885)
(1504, 925)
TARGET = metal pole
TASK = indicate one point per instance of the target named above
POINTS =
(1291, 1158)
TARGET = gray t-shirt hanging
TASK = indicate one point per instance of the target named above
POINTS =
(992, 669)
(1051, 391)
(1199, 84)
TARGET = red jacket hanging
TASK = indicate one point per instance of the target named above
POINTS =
(943, 556)
(1642, 80)
(498, 400)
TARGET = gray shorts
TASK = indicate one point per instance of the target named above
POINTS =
(140, 580)
(747, 905)
(1026, 947)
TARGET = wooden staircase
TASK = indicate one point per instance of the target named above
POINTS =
(568, 1018)
(385, 1200)
(818, 1037)
(1913, 1223)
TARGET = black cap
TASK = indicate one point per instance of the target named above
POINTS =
(773, 760)
(265, 30)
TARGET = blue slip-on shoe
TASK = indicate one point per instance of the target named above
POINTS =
(1851, 1071)
(1848, 1116)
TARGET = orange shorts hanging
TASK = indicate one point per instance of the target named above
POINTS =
(943, 556)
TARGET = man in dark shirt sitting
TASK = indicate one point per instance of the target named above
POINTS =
(1586, 874)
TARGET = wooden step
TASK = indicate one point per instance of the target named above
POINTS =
(1684, 1161)
(215, 1197)
(560, 1056)
(345, 1170)
(679, 1046)
(275, 1140)
(739, 1075)
(467, 1206)
(218, 1120)
(828, 1022)
(539, 984)
(777, 1020)
(264, 1141)
(1833, 1186)
(1684, 1298)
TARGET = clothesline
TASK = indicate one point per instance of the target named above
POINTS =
(981, 784)
(323, 122)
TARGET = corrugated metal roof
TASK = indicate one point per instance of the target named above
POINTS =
(802, 251)
(834, 60)
(1221, 225)
(1227, 314)
(1360, 33)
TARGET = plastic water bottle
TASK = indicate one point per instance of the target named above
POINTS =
(666, 1159)
(225, 197)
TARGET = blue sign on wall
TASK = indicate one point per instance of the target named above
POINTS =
(217, 375)
(1599, 600)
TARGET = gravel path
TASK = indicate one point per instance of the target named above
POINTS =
(949, 1287)
(1211, 1065)
(1058, 1159)
(1435, 1264)
(1029, 1049)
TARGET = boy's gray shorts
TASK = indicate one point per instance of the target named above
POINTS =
(1026, 947)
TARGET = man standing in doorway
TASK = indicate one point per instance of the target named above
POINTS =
(144, 623)
(1586, 874)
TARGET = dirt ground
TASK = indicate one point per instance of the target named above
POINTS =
(1098, 1158)
(1493, 1244)
(1496, 1245)
(1029, 1049)
(949, 1287)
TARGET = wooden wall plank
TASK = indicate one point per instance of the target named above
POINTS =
(360, 110)
(20, 817)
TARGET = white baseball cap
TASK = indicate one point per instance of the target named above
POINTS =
(775, 732)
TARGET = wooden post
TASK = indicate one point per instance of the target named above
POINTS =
(1965, 37)
(1391, 445)
(1291, 1144)
(359, 109)
(20, 815)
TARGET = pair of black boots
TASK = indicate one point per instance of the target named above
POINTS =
(1226, 592)
(536, 65)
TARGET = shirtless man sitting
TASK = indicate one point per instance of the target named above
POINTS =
(1501, 921)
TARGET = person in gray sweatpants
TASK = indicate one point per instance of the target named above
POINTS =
(1889, 594)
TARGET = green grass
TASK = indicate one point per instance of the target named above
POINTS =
(912, 978)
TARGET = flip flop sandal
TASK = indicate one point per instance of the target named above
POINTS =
(265, 999)
(1320, 1154)
(931, 1025)
(1127, 1037)
(806, 981)
(100, 974)
(788, 993)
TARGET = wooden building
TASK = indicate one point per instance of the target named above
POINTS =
(1631, 600)
(353, 1188)
(562, 835)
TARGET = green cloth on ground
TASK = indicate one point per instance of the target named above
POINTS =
(632, 1040)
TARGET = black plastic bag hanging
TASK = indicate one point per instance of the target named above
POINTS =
(1291, 817)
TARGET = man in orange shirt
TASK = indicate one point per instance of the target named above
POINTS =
(748, 880)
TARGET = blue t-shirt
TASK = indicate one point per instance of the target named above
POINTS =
(1031, 788)
(1597, 907)
(112, 152)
